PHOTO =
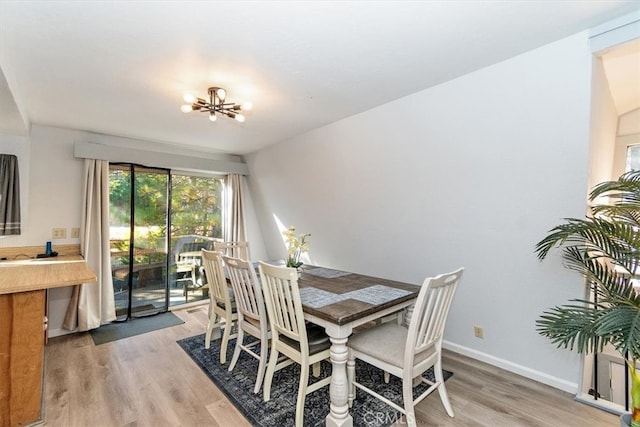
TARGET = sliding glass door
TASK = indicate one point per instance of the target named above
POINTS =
(159, 223)
(196, 221)
(139, 213)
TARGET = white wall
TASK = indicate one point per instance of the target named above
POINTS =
(470, 173)
(52, 198)
(629, 123)
(51, 189)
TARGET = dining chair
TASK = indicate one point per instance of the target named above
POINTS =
(252, 314)
(239, 249)
(222, 309)
(408, 352)
(302, 343)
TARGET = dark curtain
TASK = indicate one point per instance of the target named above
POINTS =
(9, 195)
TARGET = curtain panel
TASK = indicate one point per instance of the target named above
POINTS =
(233, 221)
(93, 304)
(9, 195)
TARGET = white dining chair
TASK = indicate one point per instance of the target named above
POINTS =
(408, 352)
(252, 314)
(238, 249)
(222, 310)
(302, 343)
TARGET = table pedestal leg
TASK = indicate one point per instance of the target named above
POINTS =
(339, 387)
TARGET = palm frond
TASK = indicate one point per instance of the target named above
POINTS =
(606, 283)
(613, 240)
(572, 327)
(605, 249)
(619, 325)
(626, 187)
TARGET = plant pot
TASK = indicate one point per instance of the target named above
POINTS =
(625, 420)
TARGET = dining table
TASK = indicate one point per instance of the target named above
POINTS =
(340, 301)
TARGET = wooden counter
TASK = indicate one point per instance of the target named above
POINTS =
(23, 286)
(43, 273)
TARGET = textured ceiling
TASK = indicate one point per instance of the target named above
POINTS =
(121, 68)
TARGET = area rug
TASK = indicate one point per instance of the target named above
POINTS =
(139, 325)
(280, 410)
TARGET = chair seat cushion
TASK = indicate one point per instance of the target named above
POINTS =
(316, 334)
(318, 340)
(233, 306)
(385, 342)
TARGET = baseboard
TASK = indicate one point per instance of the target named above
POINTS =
(605, 405)
(568, 386)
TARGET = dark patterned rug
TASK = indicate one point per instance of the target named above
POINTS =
(280, 410)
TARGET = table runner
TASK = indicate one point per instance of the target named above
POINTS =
(327, 273)
(374, 295)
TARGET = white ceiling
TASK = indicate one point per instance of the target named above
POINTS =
(121, 68)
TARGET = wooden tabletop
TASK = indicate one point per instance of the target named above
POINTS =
(350, 309)
(44, 273)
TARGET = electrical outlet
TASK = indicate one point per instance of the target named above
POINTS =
(478, 332)
(59, 233)
(75, 233)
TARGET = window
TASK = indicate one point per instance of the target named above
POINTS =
(633, 158)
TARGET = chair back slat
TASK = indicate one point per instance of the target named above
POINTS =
(239, 249)
(212, 263)
(429, 317)
(282, 298)
(246, 288)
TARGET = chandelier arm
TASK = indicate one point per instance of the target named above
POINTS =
(227, 106)
(221, 109)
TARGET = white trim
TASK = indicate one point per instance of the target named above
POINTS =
(615, 32)
(604, 404)
(183, 162)
(564, 385)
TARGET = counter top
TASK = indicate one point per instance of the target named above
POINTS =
(44, 273)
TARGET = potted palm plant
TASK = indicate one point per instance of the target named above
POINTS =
(605, 248)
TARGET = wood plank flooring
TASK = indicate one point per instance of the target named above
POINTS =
(148, 380)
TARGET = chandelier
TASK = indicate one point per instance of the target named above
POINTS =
(215, 105)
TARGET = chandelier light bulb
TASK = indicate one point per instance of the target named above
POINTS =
(222, 94)
(188, 98)
(212, 116)
(240, 118)
(247, 106)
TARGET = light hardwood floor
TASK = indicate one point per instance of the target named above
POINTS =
(148, 380)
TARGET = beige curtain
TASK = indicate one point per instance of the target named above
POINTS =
(234, 229)
(92, 304)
